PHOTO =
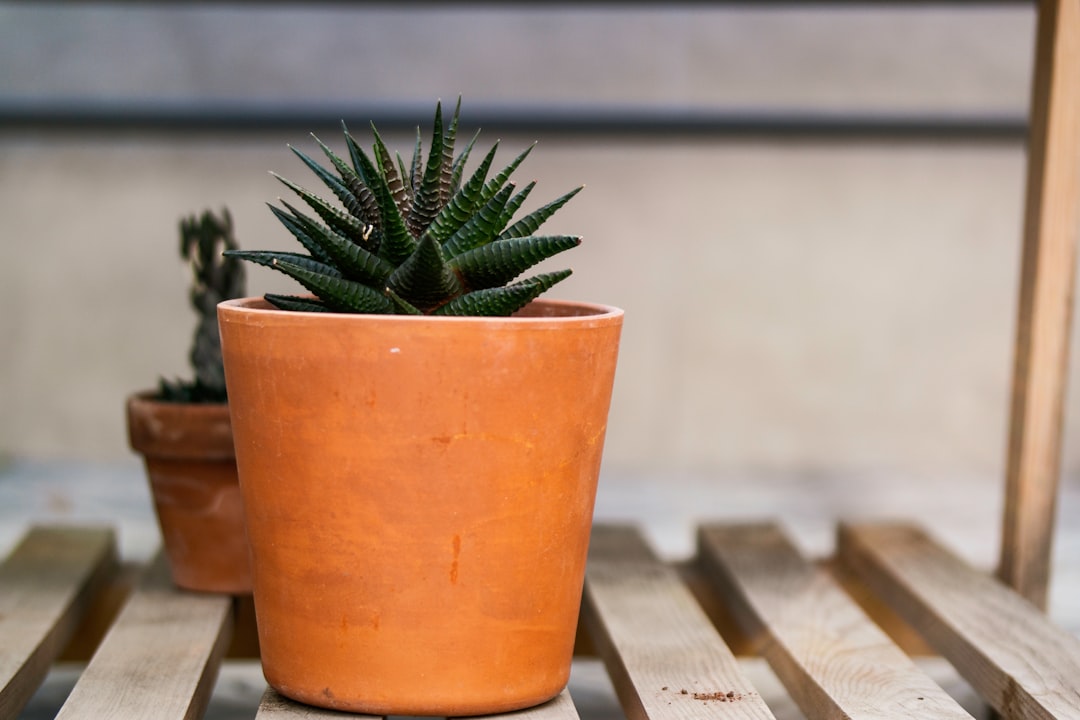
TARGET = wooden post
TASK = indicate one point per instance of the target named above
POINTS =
(1046, 286)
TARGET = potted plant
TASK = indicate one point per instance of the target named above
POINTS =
(182, 429)
(418, 440)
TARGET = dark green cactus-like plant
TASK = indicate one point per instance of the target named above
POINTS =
(415, 239)
(204, 241)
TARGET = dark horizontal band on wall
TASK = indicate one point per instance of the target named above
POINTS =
(565, 121)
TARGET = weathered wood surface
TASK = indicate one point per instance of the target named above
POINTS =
(1003, 645)
(160, 659)
(561, 708)
(831, 657)
(665, 659)
(274, 706)
(1047, 276)
(46, 585)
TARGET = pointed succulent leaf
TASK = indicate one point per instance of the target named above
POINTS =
(367, 194)
(531, 222)
(464, 202)
(341, 191)
(361, 203)
(433, 190)
(397, 243)
(405, 176)
(458, 171)
(295, 303)
(353, 147)
(337, 293)
(364, 236)
(502, 300)
(299, 225)
(390, 173)
(343, 223)
(402, 306)
(271, 258)
(425, 280)
(350, 258)
(451, 133)
(327, 177)
(500, 262)
(417, 164)
(514, 204)
(482, 228)
(446, 165)
(496, 183)
(447, 184)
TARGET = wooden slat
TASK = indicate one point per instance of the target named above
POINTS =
(46, 585)
(1045, 308)
(275, 706)
(834, 661)
(665, 658)
(1022, 664)
(160, 658)
(561, 708)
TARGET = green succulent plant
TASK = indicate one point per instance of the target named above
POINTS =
(414, 239)
(204, 243)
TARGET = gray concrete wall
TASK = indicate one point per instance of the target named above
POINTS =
(795, 306)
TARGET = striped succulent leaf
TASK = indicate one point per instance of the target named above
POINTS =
(418, 237)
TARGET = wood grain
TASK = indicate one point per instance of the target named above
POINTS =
(561, 708)
(46, 586)
(275, 706)
(834, 661)
(160, 659)
(1052, 218)
(1002, 644)
(665, 658)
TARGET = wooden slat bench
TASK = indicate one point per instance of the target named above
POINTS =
(665, 632)
(666, 658)
(46, 586)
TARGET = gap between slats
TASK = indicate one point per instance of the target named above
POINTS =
(46, 586)
(665, 659)
(1003, 645)
(160, 659)
(831, 657)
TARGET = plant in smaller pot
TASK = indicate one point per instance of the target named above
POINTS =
(419, 441)
(183, 431)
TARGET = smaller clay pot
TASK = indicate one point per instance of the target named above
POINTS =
(191, 465)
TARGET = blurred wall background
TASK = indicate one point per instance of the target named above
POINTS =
(794, 304)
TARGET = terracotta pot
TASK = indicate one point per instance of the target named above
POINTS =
(419, 495)
(191, 466)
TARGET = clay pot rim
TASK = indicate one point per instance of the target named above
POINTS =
(152, 426)
(540, 312)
